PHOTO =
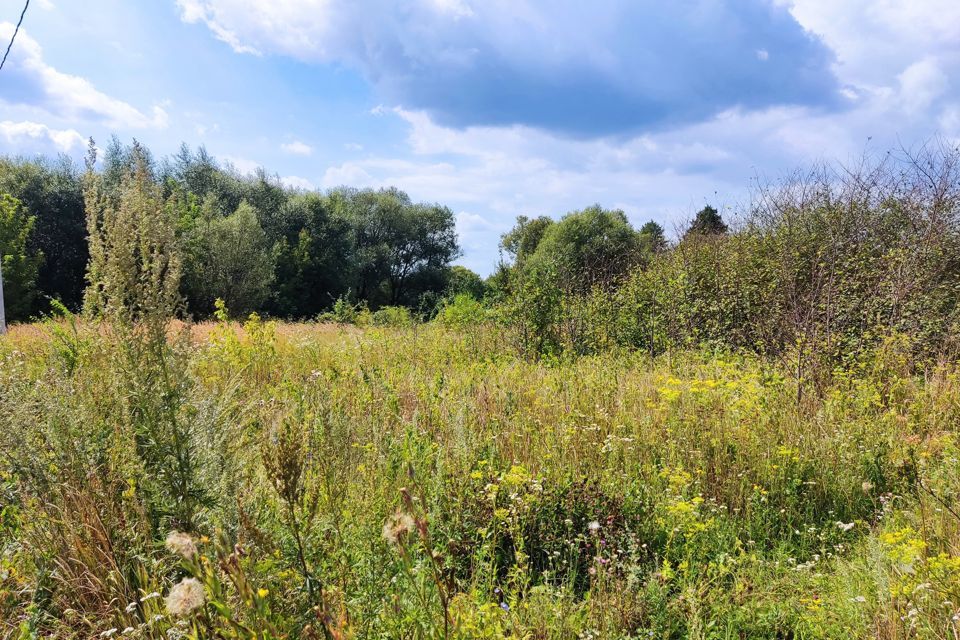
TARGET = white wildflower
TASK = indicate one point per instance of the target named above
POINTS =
(594, 526)
(185, 597)
(845, 526)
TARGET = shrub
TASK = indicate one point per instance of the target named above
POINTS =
(392, 317)
(463, 310)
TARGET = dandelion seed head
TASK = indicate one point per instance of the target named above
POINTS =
(185, 597)
(181, 544)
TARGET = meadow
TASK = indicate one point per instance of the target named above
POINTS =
(318, 480)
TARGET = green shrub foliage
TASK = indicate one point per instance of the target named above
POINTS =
(820, 266)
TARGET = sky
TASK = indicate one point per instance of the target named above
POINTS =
(495, 108)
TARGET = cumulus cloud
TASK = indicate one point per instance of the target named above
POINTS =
(29, 80)
(19, 133)
(244, 166)
(921, 84)
(565, 66)
(297, 148)
(296, 182)
(872, 38)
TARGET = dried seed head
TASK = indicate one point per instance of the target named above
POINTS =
(181, 544)
(185, 597)
(398, 527)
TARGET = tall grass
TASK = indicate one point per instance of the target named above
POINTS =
(426, 482)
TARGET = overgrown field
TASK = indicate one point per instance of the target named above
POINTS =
(426, 483)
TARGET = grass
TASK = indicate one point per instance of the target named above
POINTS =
(423, 482)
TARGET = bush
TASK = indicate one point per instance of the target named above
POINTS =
(822, 267)
(392, 317)
(463, 310)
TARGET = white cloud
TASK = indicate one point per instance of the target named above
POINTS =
(202, 129)
(65, 140)
(921, 84)
(348, 173)
(297, 148)
(64, 95)
(509, 171)
(296, 182)
(875, 39)
(244, 165)
(472, 222)
(456, 8)
(193, 11)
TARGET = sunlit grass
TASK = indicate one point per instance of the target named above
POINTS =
(427, 482)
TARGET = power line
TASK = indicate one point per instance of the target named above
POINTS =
(14, 36)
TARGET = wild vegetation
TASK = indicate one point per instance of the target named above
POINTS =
(750, 432)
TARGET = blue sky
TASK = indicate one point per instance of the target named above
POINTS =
(493, 107)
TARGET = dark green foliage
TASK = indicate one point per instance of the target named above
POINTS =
(51, 193)
(588, 248)
(18, 264)
(401, 249)
(708, 223)
(522, 240)
(294, 257)
(462, 280)
(314, 257)
(652, 238)
(230, 258)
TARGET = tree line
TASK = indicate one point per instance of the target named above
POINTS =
(246, 239)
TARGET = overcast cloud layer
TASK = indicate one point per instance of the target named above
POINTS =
(496, 108)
